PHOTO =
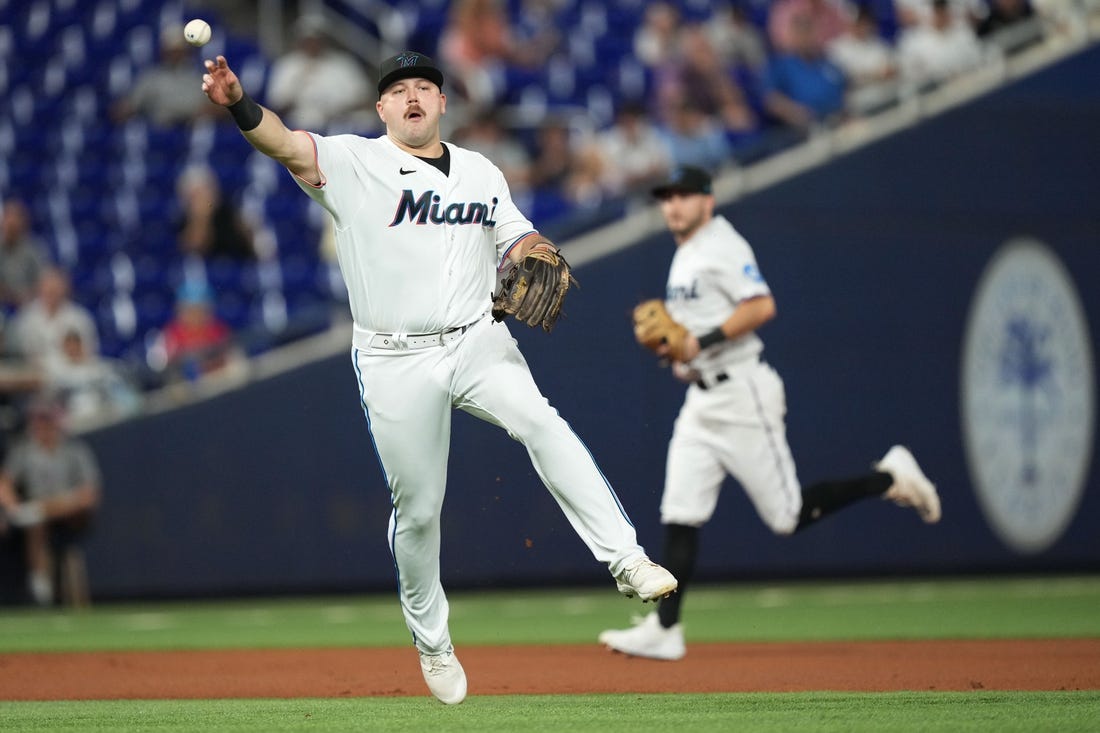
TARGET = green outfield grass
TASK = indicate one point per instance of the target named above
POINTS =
(898, 609)
(766, 713)
(919, 609)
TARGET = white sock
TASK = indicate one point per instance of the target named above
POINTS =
(41, 588)
(26, 514)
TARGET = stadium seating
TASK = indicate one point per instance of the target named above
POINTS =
(103, 194)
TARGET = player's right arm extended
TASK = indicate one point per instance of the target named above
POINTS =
(263, 129)
(295, 150)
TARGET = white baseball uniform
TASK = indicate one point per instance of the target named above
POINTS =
(420, 252)
(732, 419)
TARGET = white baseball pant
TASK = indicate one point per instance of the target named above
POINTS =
(408, 397)
(736, 427)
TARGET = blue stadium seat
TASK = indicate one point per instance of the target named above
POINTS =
(232, 306)
(91, 51)
(153, 309)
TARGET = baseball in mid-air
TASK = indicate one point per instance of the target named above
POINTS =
(197, 32)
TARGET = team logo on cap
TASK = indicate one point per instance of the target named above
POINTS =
(408, 59)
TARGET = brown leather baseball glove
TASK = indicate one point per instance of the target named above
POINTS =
(654, 328)
(535, 288)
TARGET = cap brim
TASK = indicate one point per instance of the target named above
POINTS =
(433, 75)
(662, 191)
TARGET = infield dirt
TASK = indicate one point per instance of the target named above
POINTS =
(1052, 664)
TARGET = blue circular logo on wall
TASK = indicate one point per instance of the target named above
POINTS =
(1028, 403)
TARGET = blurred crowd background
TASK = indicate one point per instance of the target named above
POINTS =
(144, 244)
(145, 247)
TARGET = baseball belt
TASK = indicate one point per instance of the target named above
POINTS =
(712, 380)
(408, 341)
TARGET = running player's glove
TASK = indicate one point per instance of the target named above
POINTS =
(654, 328)
(535, 288)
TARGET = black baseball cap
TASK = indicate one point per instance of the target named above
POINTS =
(408, 65)
(684, 179)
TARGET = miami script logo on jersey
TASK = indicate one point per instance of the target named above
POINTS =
(429, 207)
(683, 292)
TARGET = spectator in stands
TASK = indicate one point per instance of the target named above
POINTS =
(50, 487)
(485, 134)
(535, 24)
(736, 38)
(912, 13)
(787, 20)
(479, 44)
(39, 328)
(802, 88)
(633, 152)
(869, 63)
(1011, 24)
(22, 256)
(694, 138)
(696, 73)
(584, 187)
(565, 170)
(210, 226)
(317, 86)
(166, 94)
(937, 50)
(89, 386)
(657, 39)
(18, 381)
(196, 342)
(553, 158)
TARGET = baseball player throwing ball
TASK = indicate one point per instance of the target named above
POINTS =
(732, 420)
(422, 228)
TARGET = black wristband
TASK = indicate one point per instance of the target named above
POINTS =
(246, 113)
(710, 339)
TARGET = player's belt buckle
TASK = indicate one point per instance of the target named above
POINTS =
(714, 381)
(402, 342)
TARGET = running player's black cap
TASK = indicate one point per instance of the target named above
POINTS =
(684, 179)
(408, 65)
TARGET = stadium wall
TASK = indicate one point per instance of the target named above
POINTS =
(875, 261)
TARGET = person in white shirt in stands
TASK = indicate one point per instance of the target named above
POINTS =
(868, 62)
(89, 386)
(318, 87)
(632, 150)
(40, 326)
(940, 49)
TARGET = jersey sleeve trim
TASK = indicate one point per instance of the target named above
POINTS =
(510, 247)
(319, 171)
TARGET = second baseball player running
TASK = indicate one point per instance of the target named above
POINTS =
(733, 418)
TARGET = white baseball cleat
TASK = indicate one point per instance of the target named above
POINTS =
(911, 487)
(647, 638)
(646, 579)
(445, 677)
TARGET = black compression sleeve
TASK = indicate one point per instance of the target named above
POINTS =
(710, 339)
(246, 113)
